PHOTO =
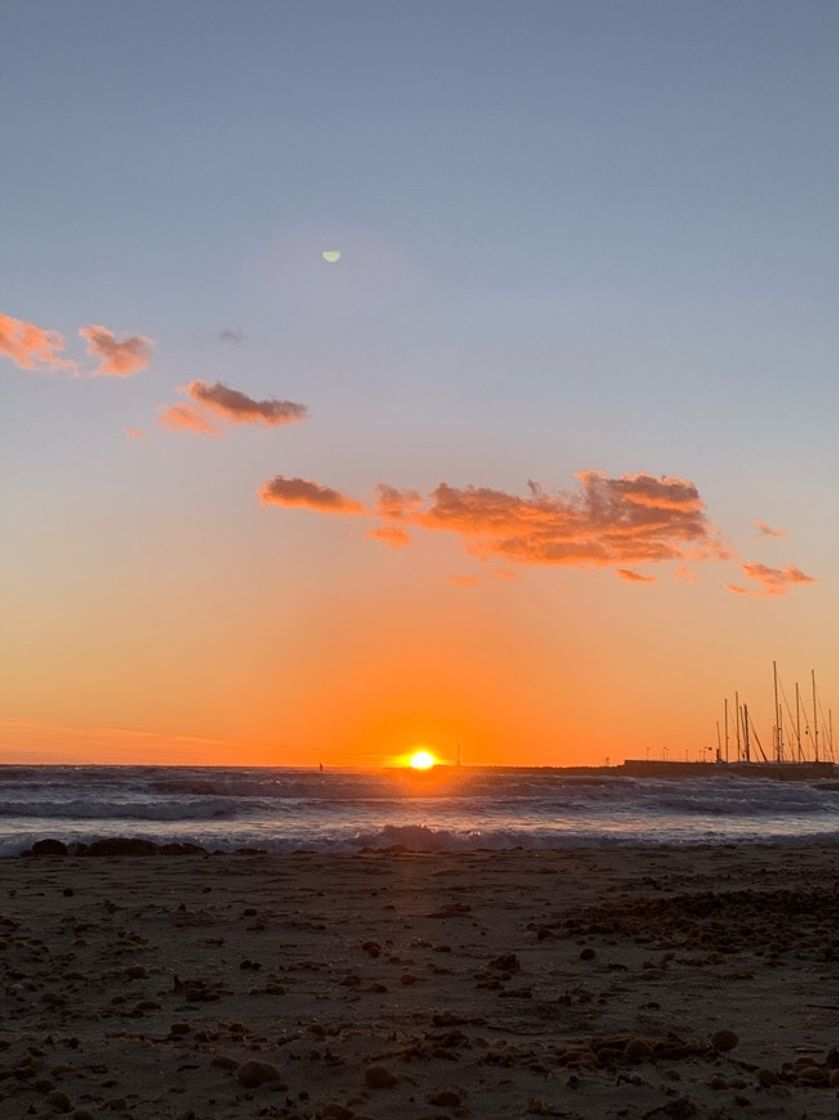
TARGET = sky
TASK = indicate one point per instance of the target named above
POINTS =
(541, 470)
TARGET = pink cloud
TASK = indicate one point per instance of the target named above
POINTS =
(134, 433)
(465, 581)
(630, 576)
(239, 408)
(117, 358)
(391, 535)
(305, 494)
(772, 582)
(766, 530)
(31, 347)
(182, 418)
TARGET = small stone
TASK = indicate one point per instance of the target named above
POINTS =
(179, 1029)
(223, 1061)
(377, 1077)
(252, 1074)
(82, 1114)
(507, 962)
(638, 1050)
(335, 1112)
(58, 1101)
(587, 954)
(446, 1098)
(68, 892)
(724, 1040)
(767, 1077)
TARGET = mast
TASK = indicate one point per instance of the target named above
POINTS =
(779, 749)
(746, 751)
(737, 721)
(726, 728)
(719, 744)
(815, 715)
(798, 721)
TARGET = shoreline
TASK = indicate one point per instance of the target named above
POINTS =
(585, 983)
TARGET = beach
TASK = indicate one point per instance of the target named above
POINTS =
(667, 981)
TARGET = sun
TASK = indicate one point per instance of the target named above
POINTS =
(422, 760)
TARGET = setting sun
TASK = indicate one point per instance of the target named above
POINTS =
(422, 760)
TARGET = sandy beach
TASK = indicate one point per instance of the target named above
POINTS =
(615, 983)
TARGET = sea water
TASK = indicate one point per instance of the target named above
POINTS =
(441, 810)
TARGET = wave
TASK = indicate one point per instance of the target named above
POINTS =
(87, 810)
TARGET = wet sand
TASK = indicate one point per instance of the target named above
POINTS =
(503, 985)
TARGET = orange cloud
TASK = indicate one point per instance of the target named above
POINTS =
(391, 535)
(634, 577)
(464, 581)
(685, 575)
(771, 581)
(182, 418)
(607, 521)
(305, 494)
(134, 433)
(765, 530)
(116, 358)
(242, 409)
(31, 347)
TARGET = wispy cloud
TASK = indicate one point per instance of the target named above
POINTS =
(239, 408)
(134, 433)
(182, 418)
(630, 576)
(33, 348)
(771, 582)
(391, 535)
(117, 357)
(465, 581)
(766, 530)
(304, 494)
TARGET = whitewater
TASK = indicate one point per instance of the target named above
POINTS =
(446, 809)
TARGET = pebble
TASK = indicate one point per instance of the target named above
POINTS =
(252, 1074)
(446, 1098)
(724, 1040)
(58, 1101)
(378, 1077)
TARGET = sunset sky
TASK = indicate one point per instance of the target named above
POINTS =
(542, 468)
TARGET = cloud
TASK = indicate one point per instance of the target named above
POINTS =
(305, 494)
(116, 358)
(134, 433)
(239, 408)
(631, 519)
(685, 575)
(465, 581)
(391, 535)
(232, 334)
(182, 418)
(31, 347)
(765, 530)
(634, 577)
(772, 582)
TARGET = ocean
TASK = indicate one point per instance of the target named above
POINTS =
(446, 809)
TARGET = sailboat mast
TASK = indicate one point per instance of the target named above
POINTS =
(798, 721)
(746, 750)
(777, 735)
(726, 728)
(737, 721)
(815, 715)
